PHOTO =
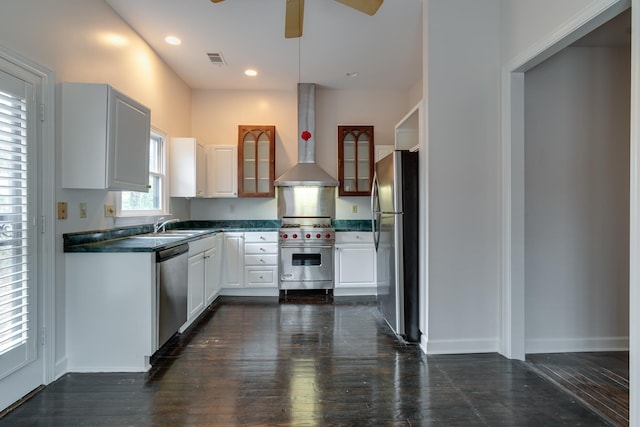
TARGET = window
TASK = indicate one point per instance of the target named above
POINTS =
(153, 202)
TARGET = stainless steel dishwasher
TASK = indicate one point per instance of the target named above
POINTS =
(171, 271)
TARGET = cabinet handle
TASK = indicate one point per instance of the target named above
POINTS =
(261, 237)
(261, 260)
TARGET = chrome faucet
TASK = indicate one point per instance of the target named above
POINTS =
(159, 224)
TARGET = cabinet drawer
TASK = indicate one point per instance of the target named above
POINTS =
(201, 245)
(257, 237)
(354, 237)
(267, 259)
(261, 277)
(260, 248)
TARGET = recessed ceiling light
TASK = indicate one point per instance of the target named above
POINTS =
(352, 74)
(250, 72)
(173, 40)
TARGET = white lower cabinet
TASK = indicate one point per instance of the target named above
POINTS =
(213, 270)
(110, 315)
(233, 260)
(261, 259)
(251, 263)
(355, 264)
(201, 269)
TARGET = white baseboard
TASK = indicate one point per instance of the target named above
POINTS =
(572, 345)
(352, 292)
(107, 369)
(489, 345)
(60, 368)
(250, 292)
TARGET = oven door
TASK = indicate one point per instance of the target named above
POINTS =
(306, 267)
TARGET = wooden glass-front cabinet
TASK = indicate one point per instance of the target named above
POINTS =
(256, 161)
(355, 160)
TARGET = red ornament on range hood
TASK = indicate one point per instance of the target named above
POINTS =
(306, 172)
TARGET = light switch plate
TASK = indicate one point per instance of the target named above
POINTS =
(83, 210)
(62, 210)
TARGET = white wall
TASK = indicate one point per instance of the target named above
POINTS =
(74, 38)
(577, 201)
(525, 23)
(217, 114)
(462, 80)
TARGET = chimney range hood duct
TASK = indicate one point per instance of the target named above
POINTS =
(306, 172)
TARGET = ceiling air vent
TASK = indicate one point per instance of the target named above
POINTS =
(216, 58)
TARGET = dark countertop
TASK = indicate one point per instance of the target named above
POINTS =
(119, 239)
(352, 224)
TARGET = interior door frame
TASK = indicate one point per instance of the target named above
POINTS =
(46, 212)
(512, 165)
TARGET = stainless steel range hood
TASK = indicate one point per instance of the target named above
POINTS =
(306, 172)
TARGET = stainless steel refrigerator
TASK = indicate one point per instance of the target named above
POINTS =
(394, 208)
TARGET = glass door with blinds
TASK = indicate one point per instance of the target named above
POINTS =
(17, 225)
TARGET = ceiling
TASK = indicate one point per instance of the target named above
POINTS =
(384, 50)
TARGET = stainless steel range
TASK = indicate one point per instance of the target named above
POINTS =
(306, 246)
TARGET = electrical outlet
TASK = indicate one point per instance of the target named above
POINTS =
(354, 209)
(62, 210)
(109, 211)
(83, 210)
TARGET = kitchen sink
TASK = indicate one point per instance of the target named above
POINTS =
(160, 236)
(183, 232)
(169, 235)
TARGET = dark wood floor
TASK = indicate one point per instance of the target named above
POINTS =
(260, 362)
(600, 380)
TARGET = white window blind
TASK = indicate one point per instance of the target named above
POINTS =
(14, 298)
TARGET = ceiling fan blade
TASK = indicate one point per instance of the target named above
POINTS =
(293, 18)
(216, 1)
(370, 7)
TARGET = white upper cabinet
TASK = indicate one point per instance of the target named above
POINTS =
(222, 171)
(382, 150)
(188, 168)
(105, 139)
(409, 129)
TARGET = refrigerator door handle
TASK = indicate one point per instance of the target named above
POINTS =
(375, 211)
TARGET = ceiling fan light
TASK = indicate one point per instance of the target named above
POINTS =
(250, 72)
(293, 18)
(370, 7)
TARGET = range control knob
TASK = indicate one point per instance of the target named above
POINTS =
(308, 236)
(318, 236)
(294, 235)
(327, 236)
(285, 235)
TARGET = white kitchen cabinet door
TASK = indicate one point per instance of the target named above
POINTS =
(105, 139)
(188, 165)
(355, 264)
(222, 171)
(195, 288)
(233, 260)
(212, 274)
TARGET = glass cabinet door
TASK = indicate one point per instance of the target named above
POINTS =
(355, 160)
(256, 161)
